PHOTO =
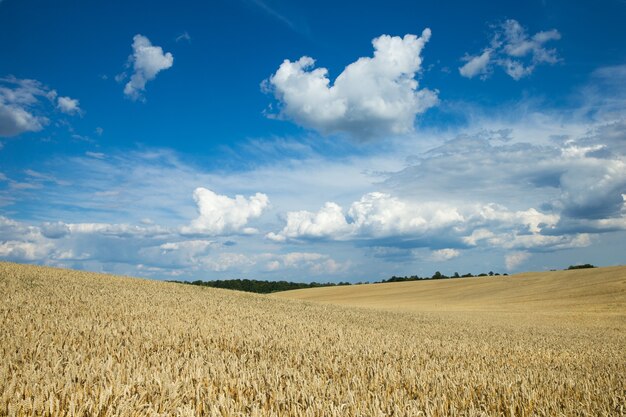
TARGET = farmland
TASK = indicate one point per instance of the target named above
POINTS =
(573, 293)
(87, 344)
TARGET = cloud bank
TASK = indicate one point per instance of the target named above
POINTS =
(383, 220)
(373, 96)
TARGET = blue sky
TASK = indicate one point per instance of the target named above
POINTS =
(312, 141)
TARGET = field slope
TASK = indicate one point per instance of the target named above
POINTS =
(84, 344)
(597, 290)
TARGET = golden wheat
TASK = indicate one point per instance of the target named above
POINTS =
(85, 344)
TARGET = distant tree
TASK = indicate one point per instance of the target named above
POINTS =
(456, 275)
(583, 266)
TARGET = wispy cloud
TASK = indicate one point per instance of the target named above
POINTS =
(184, 37)
(28, 106)
(512, 49)
(271, 11)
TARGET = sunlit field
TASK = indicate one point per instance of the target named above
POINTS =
(86, 344)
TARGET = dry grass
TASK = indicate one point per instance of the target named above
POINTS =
(75, 343)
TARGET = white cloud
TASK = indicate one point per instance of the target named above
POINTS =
(382, 215)
(15, 120)
(69, 105)
(21, 242)
(191, 245)
(512, 49)
(328, 222)
(220, 214)
(372, 96)
(118, 230)
(180, 254)
(19, 100)
(375, 215)
(476, 65)
(540, 242)
(445, 254)
(148, 61)
(513, 260)
(22, 251)
(379, 217)
(25, 105)
(228, 261)
(518, 179)
(313, 262)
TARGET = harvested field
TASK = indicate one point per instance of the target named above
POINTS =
(86, 344)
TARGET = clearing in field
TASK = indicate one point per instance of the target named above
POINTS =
(86, 344)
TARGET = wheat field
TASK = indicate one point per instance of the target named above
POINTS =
(85, 344)
(599, 291)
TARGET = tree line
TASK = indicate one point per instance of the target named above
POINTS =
(261, 287)
(267, 287)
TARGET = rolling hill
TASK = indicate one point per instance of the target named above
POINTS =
(85, 344)
(597, 290)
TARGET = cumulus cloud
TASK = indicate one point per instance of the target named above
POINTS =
(372, 96)
(521, 180)
(375, 215)
(385, 220)
(512, 49)
(147, 61)
(220, 214)
(328, 222)
(68, 105)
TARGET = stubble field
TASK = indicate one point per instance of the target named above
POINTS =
(76, 343)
